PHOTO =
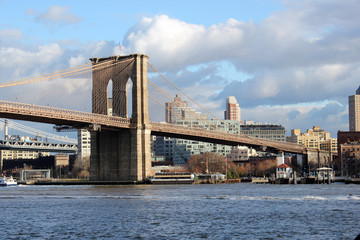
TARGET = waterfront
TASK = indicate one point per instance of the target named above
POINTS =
(225, 211)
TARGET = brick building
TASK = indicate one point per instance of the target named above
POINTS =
(349, 153)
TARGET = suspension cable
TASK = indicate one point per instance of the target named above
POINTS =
(63, 73)
(193, 100)
(197, 116)
(182, 91)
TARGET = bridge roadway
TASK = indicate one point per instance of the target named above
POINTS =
(58, 116)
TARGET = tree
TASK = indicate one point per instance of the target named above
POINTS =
(207, 163)
(242, 171)
(265, 168)
(233, 171)
(81, 167)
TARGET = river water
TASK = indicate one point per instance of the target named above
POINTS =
(224, 211)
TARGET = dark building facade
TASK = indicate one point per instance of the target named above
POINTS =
(349, 153)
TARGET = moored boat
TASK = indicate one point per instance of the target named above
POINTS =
(7, 181)
(172, 178)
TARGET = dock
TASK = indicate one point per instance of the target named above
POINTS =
(260, 180)
(352, 181)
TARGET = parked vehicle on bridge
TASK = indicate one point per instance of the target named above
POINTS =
(4, 181)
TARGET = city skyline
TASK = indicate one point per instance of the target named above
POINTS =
(290, 63)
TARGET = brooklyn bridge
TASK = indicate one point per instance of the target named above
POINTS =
(120, 145)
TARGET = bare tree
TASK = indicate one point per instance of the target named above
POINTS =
(81, 167)
(207, 163)
(265, 168)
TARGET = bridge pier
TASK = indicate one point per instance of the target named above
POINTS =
(120, 156)
(125, 154)
(317, 158)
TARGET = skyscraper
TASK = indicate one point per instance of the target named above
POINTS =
(354, 112)
(232, 109)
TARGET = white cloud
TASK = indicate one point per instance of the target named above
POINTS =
(23, 62)
(267, 88)
(9, 35)
(76, 61)
(98, 49)
(56, 15)
(331, 72)
(330, 116)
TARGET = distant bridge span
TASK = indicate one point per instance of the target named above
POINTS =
(38, 146)
(79, 119)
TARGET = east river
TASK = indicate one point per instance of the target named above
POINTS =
(224, 211)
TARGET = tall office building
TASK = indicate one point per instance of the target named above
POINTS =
(232, 109)
(354, 112)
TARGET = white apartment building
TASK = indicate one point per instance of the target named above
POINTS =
(84, 143)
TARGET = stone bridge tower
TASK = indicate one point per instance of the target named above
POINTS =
(121, 154)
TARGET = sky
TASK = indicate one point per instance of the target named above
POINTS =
(292, 63)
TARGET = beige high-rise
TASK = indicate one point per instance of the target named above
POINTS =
(232, 109)
(354, 112)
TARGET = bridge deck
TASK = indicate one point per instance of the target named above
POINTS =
(79, 119)
(200, 134)
(35, 113)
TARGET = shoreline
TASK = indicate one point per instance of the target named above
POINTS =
(90, 182)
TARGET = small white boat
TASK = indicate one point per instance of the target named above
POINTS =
(4, 181)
